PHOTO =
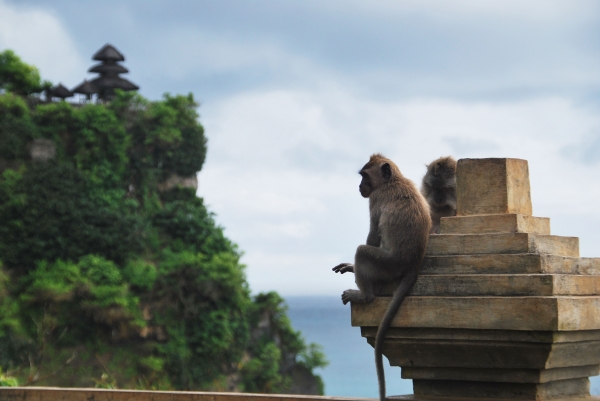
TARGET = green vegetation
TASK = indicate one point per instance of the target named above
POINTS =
(18, 77)
(112, 274)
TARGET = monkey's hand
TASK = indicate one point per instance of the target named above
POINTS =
(343, 268)
(352, 296)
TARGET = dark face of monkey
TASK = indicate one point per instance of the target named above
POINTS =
(441, 173)
(373, 176)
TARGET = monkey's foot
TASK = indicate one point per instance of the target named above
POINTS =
(343, 268)
(353, 296)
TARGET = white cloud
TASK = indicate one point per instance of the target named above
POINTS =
(296, 222)
(189, 50)
(39, 38)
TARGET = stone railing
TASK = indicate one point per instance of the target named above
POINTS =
(502, 309)
(91, 394)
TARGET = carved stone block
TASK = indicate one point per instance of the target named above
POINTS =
(495, 223)
(468, 244)
(491, 186)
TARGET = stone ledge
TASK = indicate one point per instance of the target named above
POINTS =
(495, 223)
(549, 337)
(517, 263)
(498, 285)
(489, 354)
(500, 375)
(86, 394)
(468, 244)
(412, 397)
(579, 387)
(558, 313)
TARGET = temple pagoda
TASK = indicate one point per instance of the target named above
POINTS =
(59, 91)
(108, 80)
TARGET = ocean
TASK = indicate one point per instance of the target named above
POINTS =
(351, 369)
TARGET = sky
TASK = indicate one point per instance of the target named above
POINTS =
(295, 96)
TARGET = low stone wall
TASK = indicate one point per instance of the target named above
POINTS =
(92, 394)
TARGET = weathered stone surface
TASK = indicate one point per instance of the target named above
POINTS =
(521, 263)
(175, 180)
(96, 394)
(78, 394)
(521, 391)
(555, 245)
(495, 223)
(485, 335)
(489, 354)
(589, 266)
(498, 285)
(466, 354)
(496, 313)
(466, 244)
(412, 397)
(42, 149)
(500, 375)
(491, 186)
(575, 285)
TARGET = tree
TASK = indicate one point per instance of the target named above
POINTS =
(111, 273)
(19, 77)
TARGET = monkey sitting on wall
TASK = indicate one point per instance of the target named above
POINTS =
(396, 243)
(439, 189)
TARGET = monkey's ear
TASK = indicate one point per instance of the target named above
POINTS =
(386, 171)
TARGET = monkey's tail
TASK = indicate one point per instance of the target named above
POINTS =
(399, 295)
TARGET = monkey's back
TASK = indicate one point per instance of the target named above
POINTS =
(405, 222)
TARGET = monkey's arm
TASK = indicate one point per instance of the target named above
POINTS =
(368, 255)
(374, 239)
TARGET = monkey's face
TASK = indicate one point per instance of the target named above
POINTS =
(373, 176)
(366, 186)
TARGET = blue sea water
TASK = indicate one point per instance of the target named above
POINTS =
(351, 371)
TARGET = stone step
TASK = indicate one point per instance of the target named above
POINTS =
(554, 313)
(467, 244)
(519, 263)
(500, 336)
(500, 375)
(498, 285)
(579, 387)
(489, 354)
(495, 223)
(412, 397)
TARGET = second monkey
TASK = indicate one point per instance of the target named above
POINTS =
(439, 189)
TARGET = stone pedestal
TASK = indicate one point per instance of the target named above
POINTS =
(502, 309)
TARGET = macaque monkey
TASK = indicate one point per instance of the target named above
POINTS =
(396, 243)
(439, 189)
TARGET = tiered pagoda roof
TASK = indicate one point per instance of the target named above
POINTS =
(86, 88)
(108, 80)
(108, 53)
(60, 91)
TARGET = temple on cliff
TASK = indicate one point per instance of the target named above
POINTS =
(109, 79)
